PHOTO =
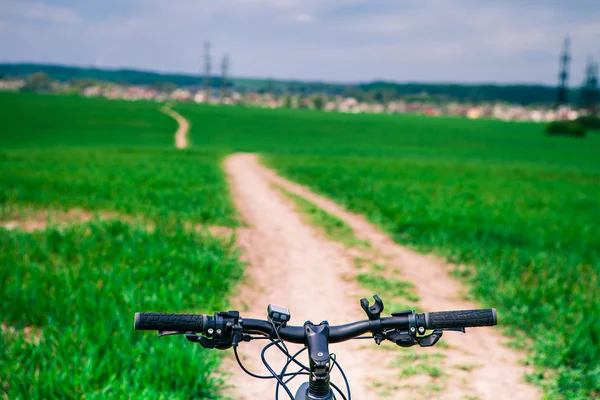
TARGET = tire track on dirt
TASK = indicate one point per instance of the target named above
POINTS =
(293, 266)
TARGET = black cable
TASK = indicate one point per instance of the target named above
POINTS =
(239, 361)
(276, 329)
(291, 375)
(264, 336)
(244, 368)
(262, 356)
(304, 367)
(335, 386)
(295, 374)
(286, 352)
(287, 364)
(338, 390)
(291, 359)
(335, 363)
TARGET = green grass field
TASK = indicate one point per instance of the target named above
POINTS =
(31, 120)
(519, 208)
(63, 152)
(152, 182)
(70, 292)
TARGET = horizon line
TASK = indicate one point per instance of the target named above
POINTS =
(286, 80)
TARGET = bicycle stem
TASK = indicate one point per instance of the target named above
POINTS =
(317, 342)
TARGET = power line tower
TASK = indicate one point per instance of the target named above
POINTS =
(563, 75)
(594, 89)
(224, 70)
(207, 65)
(589, 91)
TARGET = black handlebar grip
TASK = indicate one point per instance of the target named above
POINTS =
(152, 321)
(460, 319)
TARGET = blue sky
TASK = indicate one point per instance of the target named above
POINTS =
(331, 40)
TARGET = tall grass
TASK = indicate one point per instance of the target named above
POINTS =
(71, 294)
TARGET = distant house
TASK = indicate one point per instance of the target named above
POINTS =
(200, 97)
(11, 84)
(474, 112)
(92, 91)
(181, 95)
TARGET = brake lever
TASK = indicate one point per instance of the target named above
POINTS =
(407, 339)
(461, 329)
(434, 337)
(169, 333)
(431, 339)
(204, 342)
(192, 337)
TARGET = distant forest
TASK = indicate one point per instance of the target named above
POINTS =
(373, 91)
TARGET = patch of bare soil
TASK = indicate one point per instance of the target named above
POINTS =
(29, 333)
(292, 265)
(29, 220)
(181, 136)
(35, 220)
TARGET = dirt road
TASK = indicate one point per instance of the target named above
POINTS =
(181, 136)
(292, 265)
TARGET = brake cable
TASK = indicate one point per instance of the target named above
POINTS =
(295, 374)
(336, 364)
(292, 375)
(264, 360)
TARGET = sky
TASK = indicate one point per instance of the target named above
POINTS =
(503, 41)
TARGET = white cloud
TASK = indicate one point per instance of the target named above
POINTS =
(304, 17)
(44, 12)
(381, 24)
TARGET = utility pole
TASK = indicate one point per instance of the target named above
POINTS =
(224, 70)
(563, 75)
(207, 64)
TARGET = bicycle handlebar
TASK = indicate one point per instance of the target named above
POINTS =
(227, 329)
(201, 323)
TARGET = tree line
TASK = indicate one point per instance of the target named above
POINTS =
(369, 92)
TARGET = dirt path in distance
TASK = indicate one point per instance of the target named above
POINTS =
(292, 265)
(181, 136)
